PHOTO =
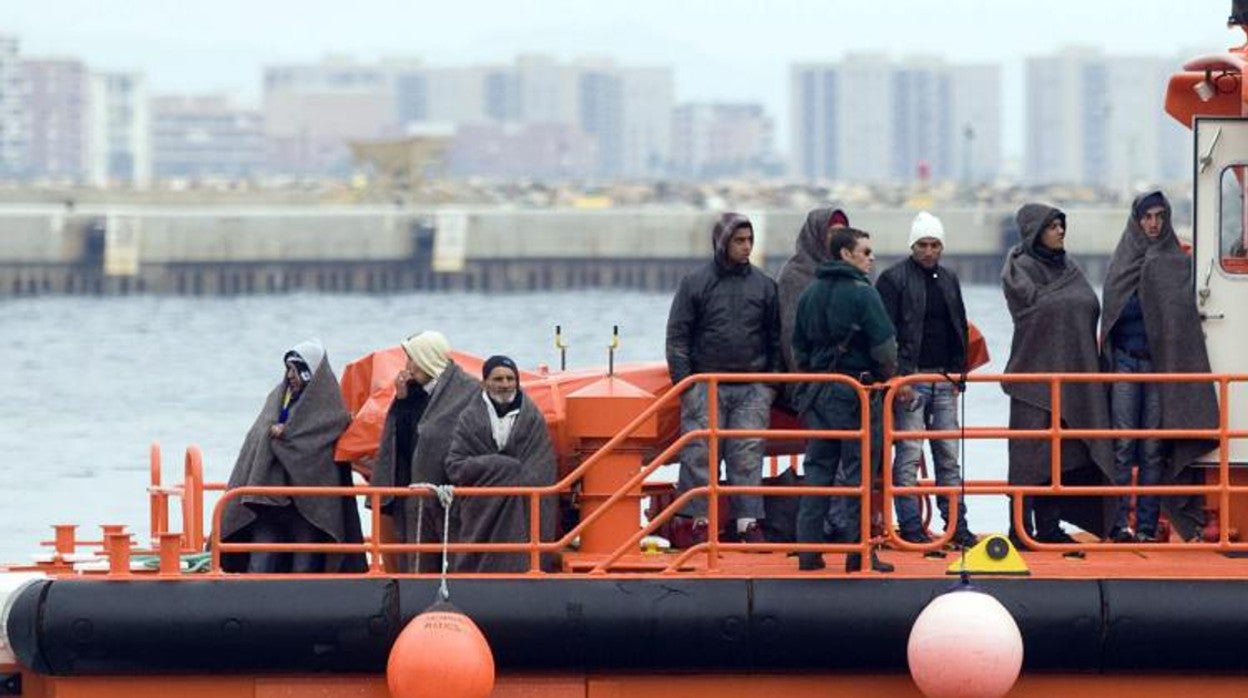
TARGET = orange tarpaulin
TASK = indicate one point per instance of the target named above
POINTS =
(368, 389)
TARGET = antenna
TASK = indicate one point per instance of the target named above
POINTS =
(615, 344)
(562, 346)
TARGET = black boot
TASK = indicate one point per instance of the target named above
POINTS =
(853, 563)
(807, 562)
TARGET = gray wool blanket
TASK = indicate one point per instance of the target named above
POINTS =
(475, 460)
(1161, 273)
(420, 519)
(303, 456)
(810, 250)
(1055, 315)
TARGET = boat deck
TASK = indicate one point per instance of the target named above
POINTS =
(1153, 561)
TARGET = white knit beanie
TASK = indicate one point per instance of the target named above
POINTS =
(926, 225)
(430, 351)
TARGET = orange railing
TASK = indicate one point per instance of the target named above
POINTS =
(1056, 433)
(191, 491)
(535, 549)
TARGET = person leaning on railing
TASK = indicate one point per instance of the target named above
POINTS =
(841, 327)
(1054, 310)
(1151, 325)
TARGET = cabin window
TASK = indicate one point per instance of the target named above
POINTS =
(1233, 231)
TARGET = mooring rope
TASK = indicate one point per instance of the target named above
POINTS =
(446, 495)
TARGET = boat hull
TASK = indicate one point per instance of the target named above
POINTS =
(222, 627)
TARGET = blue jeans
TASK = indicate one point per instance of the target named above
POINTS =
(1136, 405)
(741, 406)
(835, 462)
(936, 408)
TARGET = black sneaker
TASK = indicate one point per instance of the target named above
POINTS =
(808, 562)
(853, 563)
(1143, 537)
(918, 537)
(1059, 537)
(1123, 535)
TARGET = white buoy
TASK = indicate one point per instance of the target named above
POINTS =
(965, 645)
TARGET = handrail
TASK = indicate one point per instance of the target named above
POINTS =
(1056, 433)
(535, 493)
(157, 496)
(194, 486)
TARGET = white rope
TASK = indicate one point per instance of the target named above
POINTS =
(446, 495)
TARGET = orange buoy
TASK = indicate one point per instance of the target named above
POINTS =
(441, 653)
(965, 644)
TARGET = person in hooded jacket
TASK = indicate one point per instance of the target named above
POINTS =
(841, 327)
(1055, 312)
(810, 251)
(725, 318)
(1151, 325)
(501, 440)
(430, 393)
(291, 443)
(924, 300)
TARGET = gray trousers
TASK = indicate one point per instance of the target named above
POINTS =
(741, 406)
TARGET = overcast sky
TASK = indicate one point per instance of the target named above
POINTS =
(735, 50)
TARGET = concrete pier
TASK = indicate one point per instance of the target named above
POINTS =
(118, 250)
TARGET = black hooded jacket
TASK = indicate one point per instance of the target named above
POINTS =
(725, 317)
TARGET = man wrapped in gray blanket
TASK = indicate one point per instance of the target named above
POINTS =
(501, 441)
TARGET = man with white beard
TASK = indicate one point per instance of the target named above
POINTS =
(501, 440)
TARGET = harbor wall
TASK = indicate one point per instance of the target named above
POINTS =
(241, 250)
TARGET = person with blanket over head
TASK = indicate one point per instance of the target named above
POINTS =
(1055, 311)
(291, 443)
(430, 393)
(1151, 325)
(500, 441)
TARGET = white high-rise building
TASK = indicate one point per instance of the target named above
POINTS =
(206, 137)
(312, 112)
(872, 120)
(547, 90)
(626, 111)
(14, 124)
(715, 140)
(119, 127)
(57, 98)
(865, 121)
(1099, 120)
(976, 123)
(649, 96)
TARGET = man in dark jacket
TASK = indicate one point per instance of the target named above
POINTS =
(841, 327)
(924, 301)
(1151, 325)
(725, 318)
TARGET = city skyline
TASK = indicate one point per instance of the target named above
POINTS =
(733, 51)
